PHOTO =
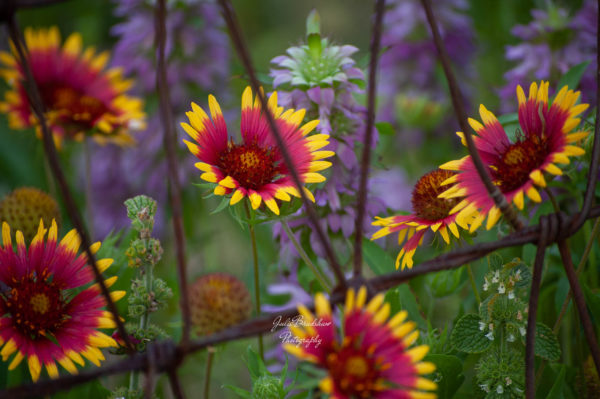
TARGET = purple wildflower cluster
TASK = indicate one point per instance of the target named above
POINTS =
(325, 86)
(409, 63)
(198, 59)
(551, 44)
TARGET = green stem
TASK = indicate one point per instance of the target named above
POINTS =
(473, 285)
(322, 277)
(49, 178)
(134, 378)
(209, 362)
(256, 275)
(88, 185)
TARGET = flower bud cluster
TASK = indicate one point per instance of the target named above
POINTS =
(504, 305)
(148, 293)
(501, 373)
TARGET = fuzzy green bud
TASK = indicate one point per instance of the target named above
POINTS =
(267, 387)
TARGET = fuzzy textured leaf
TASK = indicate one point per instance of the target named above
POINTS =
(546, 344)
(467, 337)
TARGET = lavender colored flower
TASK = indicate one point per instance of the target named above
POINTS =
(551, 44)
(198, 56)
(323, 78)
(409, 63)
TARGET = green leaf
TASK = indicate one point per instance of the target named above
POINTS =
(508, 119)
(556, 392)
(593, 301)
(378, 260)
(467, 337)
(573, 76)
(449, 372)
(525, 272)
(313, 23)
(91, 390)
(256, 367)
(402, 298)
(546, 343)
(224, 203)
(385, 128)
(446, 282)
(242, 392)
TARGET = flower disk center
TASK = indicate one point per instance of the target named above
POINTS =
(354, 372)
(512, 169)
(72, 104)
(250, 165)
(425, 201)
(36, 306)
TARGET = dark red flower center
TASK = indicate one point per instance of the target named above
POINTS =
(425, 201)
(72, 103)
(354, 372)
(250, 164)
(36, 306)
(513, 167)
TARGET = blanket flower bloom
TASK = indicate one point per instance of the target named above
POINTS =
(255, 167)
(46, 315)
(429, 212)
(544, 139)
(80, 96)
(372, 358)
(218, 301)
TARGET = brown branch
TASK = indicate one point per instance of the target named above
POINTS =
(367, 142)
(579, 299)
(36, 103)
(536, 282)
(595, 161)
(172, 355)
(457, 103)
(9, 7)
(166, 117)
(242, 50)
(176, 388)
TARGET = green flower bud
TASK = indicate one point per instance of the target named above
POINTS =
(267, 387)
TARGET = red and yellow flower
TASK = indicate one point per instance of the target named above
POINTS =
(254, 168)
(429, 212)
(545, 139)
(51, 311)
(81, 97)
(372, 358)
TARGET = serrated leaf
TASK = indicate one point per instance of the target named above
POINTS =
(525, 272)
(449, 370)
(467, 337)
(546, 343)
(573, 76)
